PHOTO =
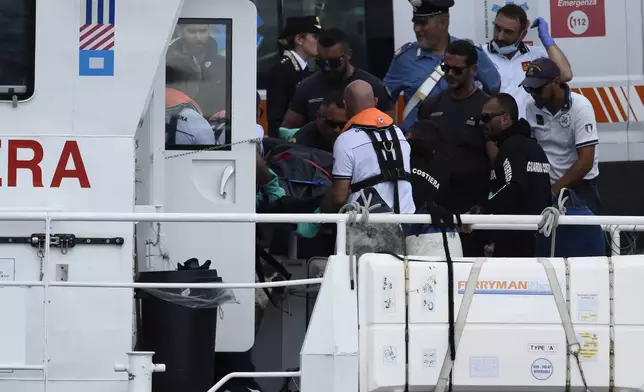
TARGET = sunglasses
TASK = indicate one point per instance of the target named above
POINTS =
(456, 70)
(334, 124)
(487, 117)
(534, 90)
(329, 63)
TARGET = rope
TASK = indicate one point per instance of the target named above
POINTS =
(550, 220)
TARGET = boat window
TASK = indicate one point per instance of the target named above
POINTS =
(198, 85)
(18, 48)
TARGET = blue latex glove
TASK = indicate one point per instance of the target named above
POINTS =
(308, 230)
(544, 34)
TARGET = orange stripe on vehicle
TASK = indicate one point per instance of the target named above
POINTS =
(600, 115)
(629, 103)
(607, 104)
(618, 103)
(640, 92)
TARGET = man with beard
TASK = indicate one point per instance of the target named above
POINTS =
(457, 110)
(416, 70)
(196, 44)
(563, 122)
(522, 175)
(336, 73)
(512, 56)
(330, 121)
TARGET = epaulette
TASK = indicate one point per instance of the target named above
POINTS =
(284, 60)
(403, 49)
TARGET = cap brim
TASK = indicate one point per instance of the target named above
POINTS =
(534, 82)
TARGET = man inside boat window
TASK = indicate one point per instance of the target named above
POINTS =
(196, 43)
(326, 128)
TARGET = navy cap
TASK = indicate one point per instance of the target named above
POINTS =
(301, 25)
(424, 9)
(540, 72)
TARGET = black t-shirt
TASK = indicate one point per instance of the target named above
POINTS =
(310, 136)
(310, 93)
(469, 164)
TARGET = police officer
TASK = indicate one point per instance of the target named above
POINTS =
(415, 69)
(521, 171)
(512, 56)
(298, 42)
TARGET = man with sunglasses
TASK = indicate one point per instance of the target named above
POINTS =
(322, 132)
(512, 56)
(457, 109)
(415, 69)
(521, 175)
(563, 122)
(336, 73)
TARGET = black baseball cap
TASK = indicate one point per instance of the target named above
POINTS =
(424, 9)
(301, 25)
(540, 72)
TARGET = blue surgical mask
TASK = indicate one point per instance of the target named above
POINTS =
(505, 49)
(510, 48)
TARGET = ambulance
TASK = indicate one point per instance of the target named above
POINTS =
(93, 194)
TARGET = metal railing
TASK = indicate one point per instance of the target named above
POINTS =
(612, 224)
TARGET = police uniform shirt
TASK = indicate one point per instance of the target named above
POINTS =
(513, 70)
(311, 92)
(193, 129)
(355, 159)
(282, 82)
(561, 134)
(412, 65)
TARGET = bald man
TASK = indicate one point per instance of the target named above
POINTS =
(371, 156)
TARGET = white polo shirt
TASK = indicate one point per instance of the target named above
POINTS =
(194, 129)
(561, 134)
(355, 159)
(512, 71)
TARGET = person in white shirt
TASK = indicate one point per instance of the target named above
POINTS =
(185, 124)
(563, 122)
(511, 55)
(371, 154)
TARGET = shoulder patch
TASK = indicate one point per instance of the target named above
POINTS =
(403, 49)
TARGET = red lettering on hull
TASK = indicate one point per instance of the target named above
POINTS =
(70, 151)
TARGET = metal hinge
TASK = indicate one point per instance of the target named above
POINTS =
(60, 240)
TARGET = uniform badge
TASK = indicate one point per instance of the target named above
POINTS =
(525, 65)
(564, 120)
(589, 128)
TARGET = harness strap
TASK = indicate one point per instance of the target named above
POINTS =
(573, 344)
(392, 167)
(171, 130)
(459, 325)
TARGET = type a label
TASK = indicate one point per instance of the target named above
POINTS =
(542, 348)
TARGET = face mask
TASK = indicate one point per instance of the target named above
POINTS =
(505, 49)
(510, 48)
